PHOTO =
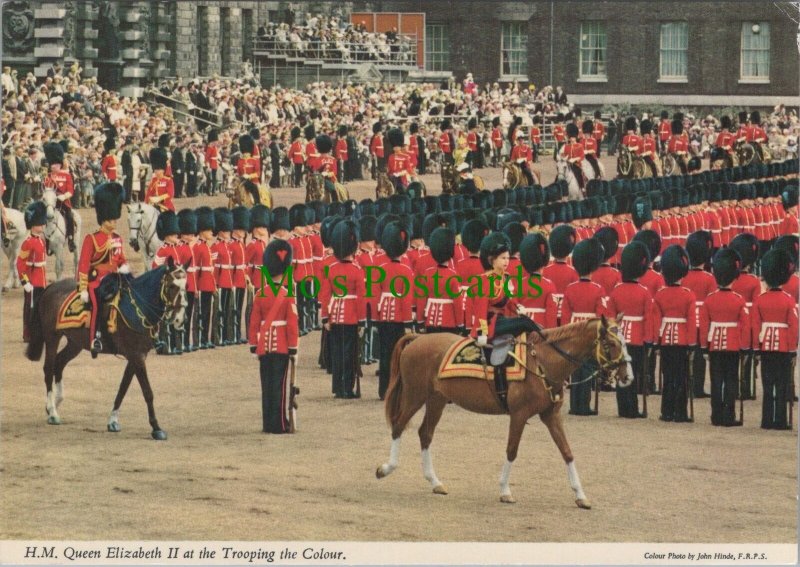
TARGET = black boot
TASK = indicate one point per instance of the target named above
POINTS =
(501, 385)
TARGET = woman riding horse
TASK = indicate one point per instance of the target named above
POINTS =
(495, 310)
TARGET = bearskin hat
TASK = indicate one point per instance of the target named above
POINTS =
(499, 198)
(515, 233)
(108, 199)
(755, 117)
(413, 128)
(587, 256)
(324, 144)
(698, 247)
(445, 125)
(747, 246)
(381, 223)
(492, 246)
(646, 126)
(534, 252)
(789, 197)
(365, 207)
(725, 122)
(36, 215)
(110, 143)
(677, 127)
(473, 123)
(562, 241)
(260, 217)
(377, 127)
(777, 266)
(674, 264)
(279, 220)
(609, 238)
(164, 140)
(496, 121)
(442, 244)
(430, 223)
(634, 261)
(790, 243)
(396, 138)
(205, 219)
(326, 229)
(473, 233)
(255, 133)
(187, 221)
(297, 215)
(651, 239)
(295, 133)
(395, 239)
(158, 158)
(241, 218)
(587, 127)
(572, 130)
(366, 228)
(664, 114)
(344, 239)
(166, 224)
(726, 266)
(246, 144)
(400, 204)
(310, 132)
(630, 123)
(223, 219)
(213, 135)
(277, 257)
(53, 153)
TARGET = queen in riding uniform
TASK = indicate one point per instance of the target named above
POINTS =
(495, 310)
(101, 254)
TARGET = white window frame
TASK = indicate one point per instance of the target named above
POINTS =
(747, 31)
(671, 48)
(522, 48)
(441, 45)
(595, 27)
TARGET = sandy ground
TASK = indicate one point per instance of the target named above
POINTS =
(218, 477)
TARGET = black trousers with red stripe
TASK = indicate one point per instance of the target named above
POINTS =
(274, 393)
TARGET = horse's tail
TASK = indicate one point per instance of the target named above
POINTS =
(395, 390)
(36, 339)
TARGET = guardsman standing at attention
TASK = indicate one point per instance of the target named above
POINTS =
(473, 157)
(301, 262)
(678, 145)
(791, 244)
(634, 301)
(583, 300)
(749, 287)
(447, 142)
(60, 179)
(311, 151)
(212, 158)
(261, 223)
(161, 190)
(344, 312)
(395, 314)
(441, 309)
(341, 151)
(223, 274)
(724, 335)
(698, 246)
(109, 165)
(497, 141)
(599, 132)
(774, 335)
(297, 157)
(562, 241)
(274, 339)
(167, 230)
(540, 305)
(674, 325)
(101, 254)
(31, 262)
(664, 131)
(206, 284)
(376, 150)
(605, 275)
(236, 247)
(187, 224)
(649, 151)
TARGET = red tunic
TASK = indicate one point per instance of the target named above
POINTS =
(248, 167)
(725, 140)
(236, 252)
(160, 192)
(496, 299)
(186, 256)
(101, 253)
(341, 149)
(392, 309)
(653, 281)
(774, 322)
(444, 143)
(678, 145)
(748, 286)
(166, 251)
(376, 145)
(724, 322)
(296, 152)
(273, 325)
(497, 138)
(399, 165)
(562, 275)
(535, 135)
(522, 151)
(212, 156)
(441, 303)
(634, 143)
(61, 181)
(311, 153)
(634, 301)
(204, 260)
(326, 165)
(607, 277)
(31, 261)
(369, 259)
(559, 133)
(573, 153)
(253, 257)
(674, 320)
(413, 152)
(664, 130)
(223, 265)
(472, 141)
(109, 167)
(589, 146)
(341, 295)
(543, 309)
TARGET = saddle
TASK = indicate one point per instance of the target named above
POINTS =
(464, 359)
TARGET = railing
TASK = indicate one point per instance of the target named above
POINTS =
(187, 110)
(401, 53)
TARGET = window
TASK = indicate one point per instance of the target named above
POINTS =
(674, 45)
(755, 51)
(514, 49)
(593, 50)
(437, 48)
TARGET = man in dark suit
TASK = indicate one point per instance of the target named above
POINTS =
(178, 167)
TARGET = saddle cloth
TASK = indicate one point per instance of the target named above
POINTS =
(463, 360)
(71, 314)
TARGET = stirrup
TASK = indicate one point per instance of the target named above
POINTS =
(97, 347)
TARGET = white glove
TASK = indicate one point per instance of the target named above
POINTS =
(28, 287)
(85, 296)
(481, 341)
(124, 269)
(520, 310)
(63, 197)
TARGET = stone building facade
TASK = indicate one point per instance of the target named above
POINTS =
(128, 44)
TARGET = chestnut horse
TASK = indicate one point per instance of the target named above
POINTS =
(552, 356)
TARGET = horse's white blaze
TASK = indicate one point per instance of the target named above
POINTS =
(427, 468)
(59, 393)
(575, 481)
(394, 457)
(505, 489)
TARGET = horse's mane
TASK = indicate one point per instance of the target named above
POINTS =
(560, 333)
(149, 283)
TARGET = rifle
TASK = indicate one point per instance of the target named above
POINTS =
(741, 388)
(646, 385)
(691, 383)
(293, 392)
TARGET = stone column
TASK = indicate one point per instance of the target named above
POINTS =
(161, 38)
(85, 36)
(49, 33)
(185, 43)
(212, 41)
(231, 40)
(135, 47)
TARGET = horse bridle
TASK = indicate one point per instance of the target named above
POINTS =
(170, 306)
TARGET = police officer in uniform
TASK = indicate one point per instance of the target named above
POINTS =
(273, 337)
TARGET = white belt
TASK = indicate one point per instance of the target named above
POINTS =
(303, 261)
(766, 326)
(36, 264)
(719, 325)
(191, 269)
(224, 266)
(278, 324)
(667, 320)
(240, 266)
(343, 297)
(583, 316)
(633, 318)
(206, 269)
(436, 301)
(529, 310)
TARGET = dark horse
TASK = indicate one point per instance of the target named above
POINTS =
(551, 358)
(156, 297)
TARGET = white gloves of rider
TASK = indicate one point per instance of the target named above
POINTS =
(85, 296)
(28, 287)
(63, 197)
(481, 341)
(124, 269)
